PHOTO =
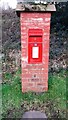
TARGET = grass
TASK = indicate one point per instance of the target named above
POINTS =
(15, 103)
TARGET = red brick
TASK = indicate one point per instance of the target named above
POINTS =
(24, 90)
(36, 67)
(24, 71)
(24, 44)
(24, 50)
(44, 88)
(24, 55)
(35, 89)
(31, 20)
(26, 75)
(38, 71)
(35, 15)
(43, 76)
(41, 84)
(24, 80)
(25, 84)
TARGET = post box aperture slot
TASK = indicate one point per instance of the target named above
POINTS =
(35, 38)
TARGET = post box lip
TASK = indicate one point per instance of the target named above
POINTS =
(35, 32)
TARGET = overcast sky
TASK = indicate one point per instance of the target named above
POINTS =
(6, 3)
(13, 3)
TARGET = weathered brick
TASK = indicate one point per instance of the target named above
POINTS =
(24, 81)
(44, 88)
(35, 76)
(23, 45)
(26, 75)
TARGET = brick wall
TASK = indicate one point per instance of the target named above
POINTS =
(35, 76)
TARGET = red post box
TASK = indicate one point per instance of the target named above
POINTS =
(35, 38)
(35, 32)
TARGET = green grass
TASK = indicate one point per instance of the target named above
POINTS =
(13, 98)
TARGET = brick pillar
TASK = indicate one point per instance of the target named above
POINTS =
(35, 76)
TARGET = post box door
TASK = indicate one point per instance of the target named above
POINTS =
(35, 49)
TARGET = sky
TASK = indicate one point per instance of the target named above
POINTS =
(6, 3)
